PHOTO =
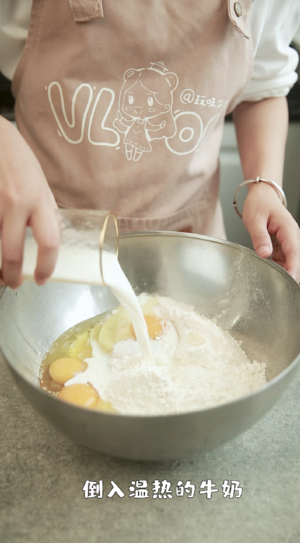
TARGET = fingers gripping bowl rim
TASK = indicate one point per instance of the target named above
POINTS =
(255, 300)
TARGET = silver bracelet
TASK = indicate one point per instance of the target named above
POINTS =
(258, 180)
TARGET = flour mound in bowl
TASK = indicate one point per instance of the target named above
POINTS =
(197, 364)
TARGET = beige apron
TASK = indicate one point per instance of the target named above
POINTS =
(123, 103)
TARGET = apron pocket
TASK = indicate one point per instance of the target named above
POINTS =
(85, 10)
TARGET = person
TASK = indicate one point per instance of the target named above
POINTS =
(122, 107)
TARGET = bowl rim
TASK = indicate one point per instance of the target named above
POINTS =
(218, 241)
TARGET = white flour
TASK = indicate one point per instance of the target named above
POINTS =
(196, 365)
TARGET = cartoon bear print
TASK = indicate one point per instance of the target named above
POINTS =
(145, 108)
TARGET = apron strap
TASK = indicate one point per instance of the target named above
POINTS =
(238, 14)
(85, 10)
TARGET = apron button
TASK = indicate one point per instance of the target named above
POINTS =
(238, 9)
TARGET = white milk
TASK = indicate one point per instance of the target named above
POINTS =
(81, 264)
(116, 279)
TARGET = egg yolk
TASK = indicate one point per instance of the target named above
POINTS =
(80, 394)
(154, 324)
(63, 369)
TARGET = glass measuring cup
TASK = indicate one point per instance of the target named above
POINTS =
(85, 235)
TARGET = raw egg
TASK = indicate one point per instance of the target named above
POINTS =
(80, 394)
(63, 369)
(155, 326)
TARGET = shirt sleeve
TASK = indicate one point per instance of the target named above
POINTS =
(273, 26)
(14, 23)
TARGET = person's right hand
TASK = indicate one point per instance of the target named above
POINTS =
(25, 200)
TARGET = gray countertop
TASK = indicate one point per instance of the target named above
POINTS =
(42, 475)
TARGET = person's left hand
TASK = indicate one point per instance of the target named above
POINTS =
(273, 230)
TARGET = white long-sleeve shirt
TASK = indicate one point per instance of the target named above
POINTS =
(273, 26)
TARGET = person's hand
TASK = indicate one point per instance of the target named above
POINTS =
(25, 200)
(273, 230)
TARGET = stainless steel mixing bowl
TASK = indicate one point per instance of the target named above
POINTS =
(258, 302)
